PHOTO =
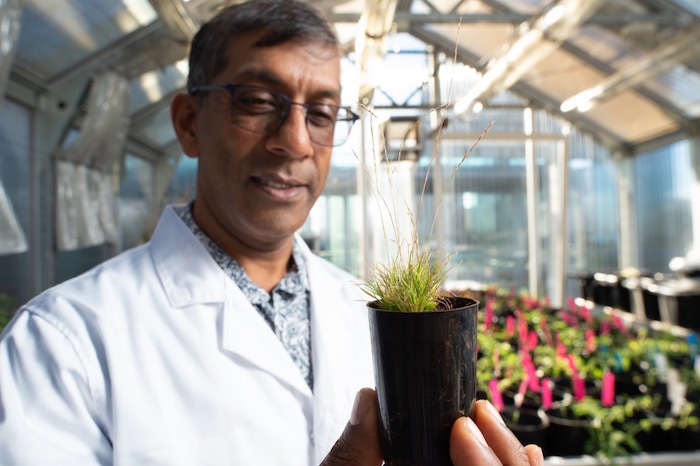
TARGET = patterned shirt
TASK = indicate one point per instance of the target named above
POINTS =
(286, 309)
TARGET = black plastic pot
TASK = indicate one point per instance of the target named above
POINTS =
(654, 437)
(425, 371)
(529, 425)
(566, 436)
(688, 438)
(651, 300)
(584, 283)
(679, 300)
(608, 291)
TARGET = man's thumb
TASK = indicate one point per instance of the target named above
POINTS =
(359, 443)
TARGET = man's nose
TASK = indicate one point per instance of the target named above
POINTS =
(292, 137)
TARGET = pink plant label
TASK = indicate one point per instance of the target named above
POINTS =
(607, 396)
(579, 388)
(521, 392)
(572, 364)
(496, 395)
(488, 317)
(590, 340)
(532, 340)
(510, 326)
(546, 393)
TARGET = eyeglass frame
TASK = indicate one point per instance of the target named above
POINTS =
(284, 112)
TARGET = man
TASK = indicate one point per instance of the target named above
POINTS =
(223, 340)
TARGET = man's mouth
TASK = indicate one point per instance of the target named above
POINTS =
(279, 188)
(276, 184)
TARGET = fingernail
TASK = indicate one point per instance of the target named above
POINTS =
(359, 408)
(471, 425)
(494, 412)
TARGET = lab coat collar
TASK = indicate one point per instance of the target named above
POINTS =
(243, 331)
(246, 334)
(172, 246)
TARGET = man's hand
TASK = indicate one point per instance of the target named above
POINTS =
(484, 441)
(487, 441)
(359, 443)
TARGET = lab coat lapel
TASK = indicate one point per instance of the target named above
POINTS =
(246, 334)
(243, 330)
(173, 245)
(340, 352)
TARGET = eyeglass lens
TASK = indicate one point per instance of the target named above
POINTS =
(264, 111)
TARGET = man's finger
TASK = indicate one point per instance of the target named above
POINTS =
(487, 441)
(502, 441)
(359, 443)
(535, 455)
(468, 445)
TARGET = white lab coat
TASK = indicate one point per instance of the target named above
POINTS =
(157, 358)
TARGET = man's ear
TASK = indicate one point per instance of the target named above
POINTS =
(183, 112)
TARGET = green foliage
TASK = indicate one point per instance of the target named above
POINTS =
(7, 309)
(611, 432)
(408, 284)
(587, 342)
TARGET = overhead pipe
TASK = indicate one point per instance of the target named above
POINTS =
(370, 44)
(177, 18)
(537, 39)
(654, 63)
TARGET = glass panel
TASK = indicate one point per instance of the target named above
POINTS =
(681, 86)
(485, 214)
(523, 6)
(157, 127)
(333, 227)
(72, 263)
(691, 5)
(403, 73)
(15, 172)
(183, 182)
(155, 85)
(58, 33)
(332, 230)
(135, 202)
(664, 181)
(593, 218)
(601, 44)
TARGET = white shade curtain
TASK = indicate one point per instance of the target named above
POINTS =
(10, 15)
(12, 237)
(86, 169)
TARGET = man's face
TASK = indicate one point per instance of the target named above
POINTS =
(254, 189)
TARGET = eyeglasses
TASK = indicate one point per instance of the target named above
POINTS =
(263, 111)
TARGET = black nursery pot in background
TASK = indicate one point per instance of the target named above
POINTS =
(425, 373)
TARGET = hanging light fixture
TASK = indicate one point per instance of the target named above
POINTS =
(654, 63)
(536, 40)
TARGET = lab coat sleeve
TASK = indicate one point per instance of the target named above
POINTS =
(48, 402)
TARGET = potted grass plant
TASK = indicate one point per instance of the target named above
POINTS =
(424, 348)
